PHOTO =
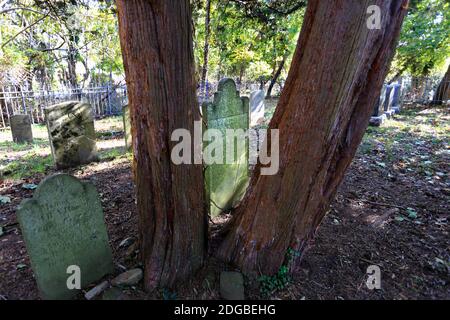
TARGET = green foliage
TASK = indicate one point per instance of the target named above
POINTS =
(27, 166)
(58, 41)
(425, 38)
(248, 40)
(279, 281)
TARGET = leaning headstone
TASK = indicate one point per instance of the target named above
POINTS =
(225, 183)
(127, 127)
(64, 232)
(71, 133)
(257, 107)
(21, 128)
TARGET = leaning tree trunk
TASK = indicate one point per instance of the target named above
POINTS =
(443, 90)
(156, 40)
(334, 81)
(275, 77)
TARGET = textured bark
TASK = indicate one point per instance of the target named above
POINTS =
(334, 81)
(443, 90)
(156, 40)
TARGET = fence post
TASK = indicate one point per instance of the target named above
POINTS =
(23, 101)
(109, 98)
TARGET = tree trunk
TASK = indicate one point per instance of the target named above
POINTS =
(72, 65)
(443, 90)
(275, 77)
(206, 47)
(156, 40)
(335, 78)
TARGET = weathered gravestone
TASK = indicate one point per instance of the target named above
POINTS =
(388, 102)
(257, 108)
(127, 127)
(378, 115)
(63, 226)
(21, 128)
(71, 133)
(226, 183)
(395, 102)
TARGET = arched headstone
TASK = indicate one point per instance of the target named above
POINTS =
(64, 232)
(226, 183)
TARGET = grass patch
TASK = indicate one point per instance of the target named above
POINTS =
(26, 166)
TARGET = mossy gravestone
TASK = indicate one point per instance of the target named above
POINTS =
(71, 132)
(63, 226)
(127, 127)
(226, 183)
(21, 128)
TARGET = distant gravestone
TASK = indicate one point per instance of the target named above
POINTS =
(395, 102)
(71, 133)
(127, 127)
(378, 115)
(388, 103)
(257, 108)
(226, 183)
(63, 226)
(21, 128)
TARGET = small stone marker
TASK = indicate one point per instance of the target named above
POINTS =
(257, 107)
(226, 183)
(71, 133)
(21, 128)
(127, 127)
(232, 285)
(63, 226)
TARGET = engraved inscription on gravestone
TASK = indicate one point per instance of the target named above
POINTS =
(63, 226)
(226, 183)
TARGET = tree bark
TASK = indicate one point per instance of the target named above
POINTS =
(443, 90)
(275, 77)
(335, 78)
(206, 47)
(156, 40)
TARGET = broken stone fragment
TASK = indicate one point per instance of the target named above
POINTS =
(128, 278)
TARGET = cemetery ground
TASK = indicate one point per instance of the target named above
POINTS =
(392, 210)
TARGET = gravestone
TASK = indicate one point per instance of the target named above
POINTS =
(71, 133)
(63, 226)
(395, 102)
(378, 116)
(388, 102)
(226, 183)
(257, 108)
(127, 127)
(21, 128)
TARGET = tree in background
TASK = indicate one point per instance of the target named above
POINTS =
(51, 42)
(424, 43)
